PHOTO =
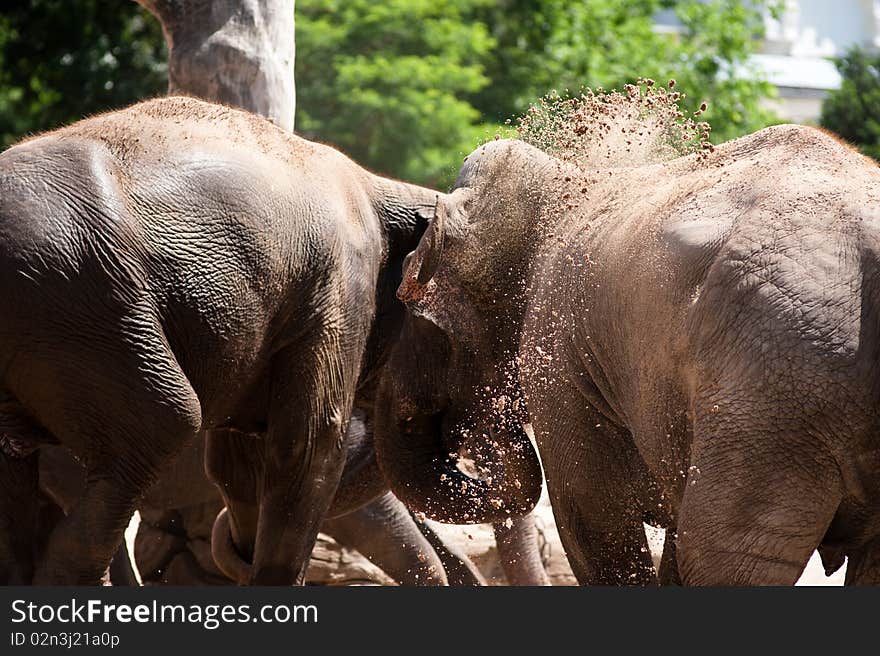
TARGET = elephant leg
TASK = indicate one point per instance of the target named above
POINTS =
(312, 395)
(668, 573)
(460, 569)
(62, 483)
(600, 554)
(519, 552)
(596, 481)
(126, 449)
(362, 480)
(19, 511)
(121, 571)
(863, 565)
(385, 533)
(82, 545)
(759, 496)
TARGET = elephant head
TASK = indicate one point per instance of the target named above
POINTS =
(451, 382)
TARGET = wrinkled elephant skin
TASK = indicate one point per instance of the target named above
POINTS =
(180, 266)
(697, 343)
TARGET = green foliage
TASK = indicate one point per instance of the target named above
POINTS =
(558, 45)
(387, 81)
(718, 37)
(853, 111)
(545, 45)
(406, 87)
(61, 60)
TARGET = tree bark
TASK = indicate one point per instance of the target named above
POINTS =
(235, 52)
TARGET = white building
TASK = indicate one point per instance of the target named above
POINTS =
(796, 53)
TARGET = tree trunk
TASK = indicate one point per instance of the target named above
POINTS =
(235, 52)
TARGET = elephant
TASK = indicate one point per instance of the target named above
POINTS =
(178, 512)
(409, 551)
(169, 547)
(175, 267)
(406, 548)
(696, 343)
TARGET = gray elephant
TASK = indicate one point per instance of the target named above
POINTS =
(697, 343)
(180, 266)
(173, 543)
(173, 547)
(182, 505)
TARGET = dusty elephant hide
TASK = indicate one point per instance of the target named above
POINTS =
(697, 343)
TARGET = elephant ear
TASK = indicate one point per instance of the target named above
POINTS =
(439, 297)
(421, 265)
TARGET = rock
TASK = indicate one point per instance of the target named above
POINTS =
(332, 564)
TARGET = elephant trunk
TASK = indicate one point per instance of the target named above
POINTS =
(417, 464)
(226, 556)
(520, 553)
